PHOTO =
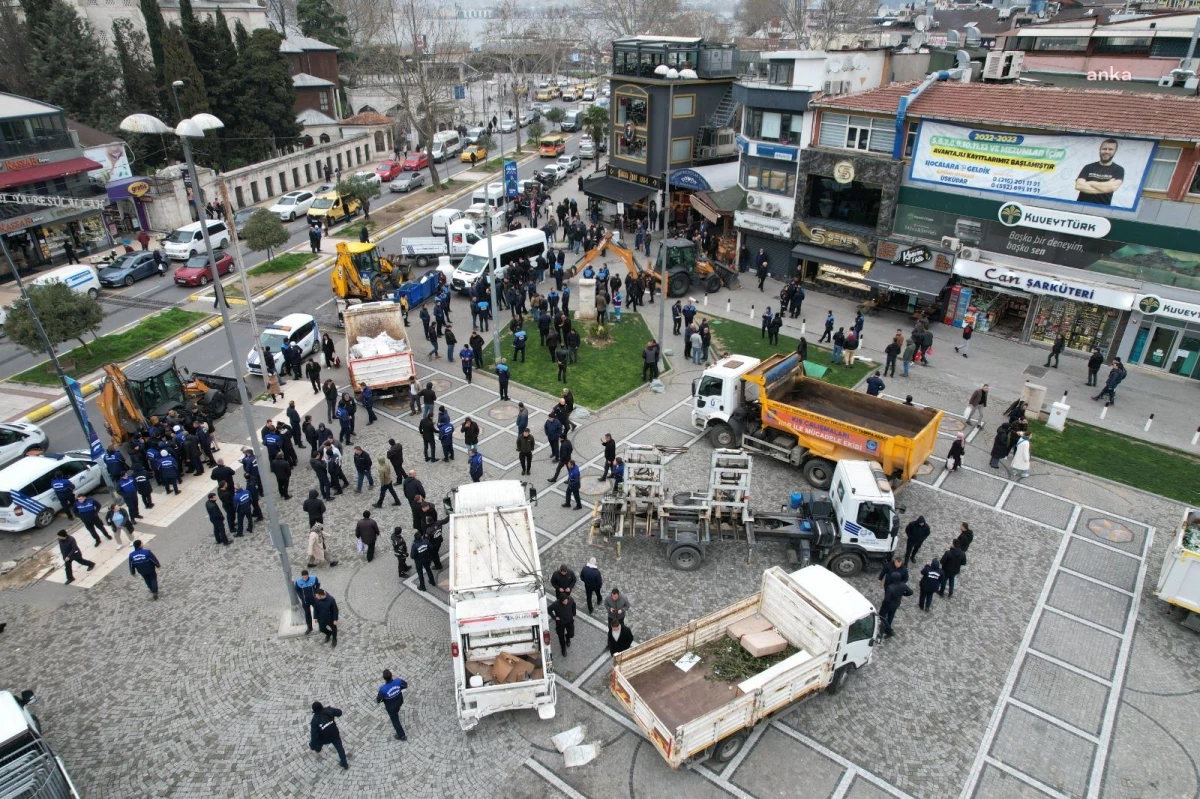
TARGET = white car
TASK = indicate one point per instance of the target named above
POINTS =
(474, 135)
(17, 439)
(372, 178)
(571, 162)
(508, 125)
(292, 205)
(525, 119)
(587, 150)
(563, 83)
(589, 94)
(297, 328)
(406, 181)
(26, 498)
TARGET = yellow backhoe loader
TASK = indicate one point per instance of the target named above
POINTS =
(145, 390)
(684, 268)
(362, 273)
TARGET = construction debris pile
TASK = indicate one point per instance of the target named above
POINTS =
(383, 344)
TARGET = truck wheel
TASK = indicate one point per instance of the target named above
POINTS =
(727, 749)
(712, 284)
(686, 557)
(721, 436)
(677, 284)
(845, 564)
(819, 473)
(422, 261)
(839, 680)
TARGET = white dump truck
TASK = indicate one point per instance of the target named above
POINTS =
(499, 623)
(377, 349)
(1179, 580)
(673, 687)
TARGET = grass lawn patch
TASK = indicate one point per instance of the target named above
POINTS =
(283, 264)
(739, 338)
(352, 231)
(1122, 459)
(603, 373)
(495, 165)
(115, 348)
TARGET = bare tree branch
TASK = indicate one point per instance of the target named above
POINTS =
(619, 18)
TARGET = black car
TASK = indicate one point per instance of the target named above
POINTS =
(128, 268)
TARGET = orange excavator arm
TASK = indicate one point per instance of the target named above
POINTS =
(607, 245)
(347, 283)
(122, 416)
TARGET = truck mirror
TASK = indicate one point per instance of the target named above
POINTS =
(695, 383)
(900, 509)
(447, 505)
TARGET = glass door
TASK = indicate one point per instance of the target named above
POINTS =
(1186, 358)
(1161, 346)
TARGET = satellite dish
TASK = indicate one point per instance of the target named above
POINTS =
(859, 61)
(952, 39)
(835, 65)
(917, 40)
(921, 23)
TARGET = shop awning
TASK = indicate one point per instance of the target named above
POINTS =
(56, 169)
(925, 283)
(712, 177)
(810, 252)
(615, 189)
(715, 204)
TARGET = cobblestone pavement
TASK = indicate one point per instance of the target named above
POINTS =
(1053, 671)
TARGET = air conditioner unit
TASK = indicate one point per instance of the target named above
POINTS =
(1003, 65)
(771, 208)
(753, 200)
(951, 243)
(969, 254)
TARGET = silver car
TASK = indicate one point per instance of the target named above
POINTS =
(406, 182)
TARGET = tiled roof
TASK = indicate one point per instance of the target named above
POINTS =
(1155, 116)
(302, 80)
(367, 118)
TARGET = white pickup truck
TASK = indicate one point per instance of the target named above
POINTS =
(27, 766)
(1179, 580)
(689, 716)
(499, 624)
(371, 364)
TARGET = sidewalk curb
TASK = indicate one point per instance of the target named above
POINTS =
(92, 386)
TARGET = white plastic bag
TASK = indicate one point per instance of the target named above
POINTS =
(572, 737)
(581, 755)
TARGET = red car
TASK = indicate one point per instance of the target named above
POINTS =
(415, 162)
(197, 272)
(388, 170)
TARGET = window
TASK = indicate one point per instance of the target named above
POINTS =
(861, 630)
(685, 106)
(324, 101)
(876, 518)
(774, 180)
(1169, 48)
(1063, 44)
(1195, 187)
(632, 105)
(779, 73)
(1162, 168)
(710, 387)
(910, 139)
(845, 132)
(681, 150)
(774, 126)
(852, 203)
(1115, 45)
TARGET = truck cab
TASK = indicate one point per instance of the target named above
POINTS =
(863, 510)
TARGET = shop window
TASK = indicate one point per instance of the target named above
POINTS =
(1085, 327)
(845, 132)
(1158, 178)
(852, 203)
(684, 106)
(632, 106)
(1065, 44)
(681, 151)
(773, 180)
(629, 142)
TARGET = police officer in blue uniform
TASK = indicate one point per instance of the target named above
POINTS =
(64, 489)
(271, 441)
(368, 401)
(446, 435)
(128, 488)
(143, 562)
(306, 592)
(242, 504)
(114, 462)
(253, 478)
(475, 465)
(391, 694)
(88, 511)
(168, 471)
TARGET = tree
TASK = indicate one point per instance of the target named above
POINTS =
(139, 91)
(65, 313)
(68, 65)
(596, 122)
(823, 22)
(755, 15)
(556, 115)
(178, 65)
(155, 28)
(320, 20)
(265, 97)
(359, 189)
(619, 18)
(534, 130)
(14, 53)
(264, 231)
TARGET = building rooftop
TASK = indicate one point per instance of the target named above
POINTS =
(367, 118)
(13, 105)
(296, 43)
(89, 136)
(1154, 116)
(302, 80)
(310, 117)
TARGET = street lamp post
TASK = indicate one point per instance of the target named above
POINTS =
(186, 130)
(673, 75)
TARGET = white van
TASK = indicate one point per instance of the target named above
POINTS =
(492, 194)
(26, 498)
(572, 120)
(295, 329)
(441, 219)
(446, 144)
(188, 241)
(506, 248)
(78, 277)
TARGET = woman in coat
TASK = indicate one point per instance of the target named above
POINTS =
(327, 350)
(957, 450)
(273, 386)
(1020, 458)
(318, 547)
(1000, 445)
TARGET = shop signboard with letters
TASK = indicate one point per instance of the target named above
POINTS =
(1155, 305)
(1035, 283)
(1095, 171)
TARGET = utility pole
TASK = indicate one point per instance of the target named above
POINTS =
(240, 268)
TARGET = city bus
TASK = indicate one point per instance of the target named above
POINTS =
(552, 145)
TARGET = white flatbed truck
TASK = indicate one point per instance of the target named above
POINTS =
(1179, 580)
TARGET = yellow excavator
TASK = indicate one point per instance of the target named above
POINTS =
(362, 273)
(684, 268)
(134, 397)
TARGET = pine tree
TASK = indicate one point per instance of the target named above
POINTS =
(266, 97)
(320, 20)
(139, 93)
(69, 65)
(187, 20)
(241, 39)
(178, 65)
(154, 35)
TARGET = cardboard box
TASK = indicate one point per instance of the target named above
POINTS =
(503, 667)
(520, 672)
(765, 643)
(480, 668)
(537, 674)
(754, 624)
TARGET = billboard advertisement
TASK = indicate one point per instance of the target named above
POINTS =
(1090, 170)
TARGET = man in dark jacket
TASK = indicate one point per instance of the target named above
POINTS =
(428, 438)
(553, 429)
(565, 451)
(893, 572)
(610, 455)
(1093, 366)
(525, 447)
(367, 531)
(69, 550)
(915, 534)
(391, 694)
(395, 456)
(323, 730)
(283, 474)
(217, 518)
(931, 580)
(952, 563)
(620, 638)
(892, 595)
(875, 385)
(306, 591)
(422, 557)
(362, 466)
(144, 563)
(1000, 444)
(1060, 343)
(1115, 376)
(326, 610)
(563, 613)
(414, 492)
(563, 581)
(965, 536)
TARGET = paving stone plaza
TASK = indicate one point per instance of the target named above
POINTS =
(1053, 671)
